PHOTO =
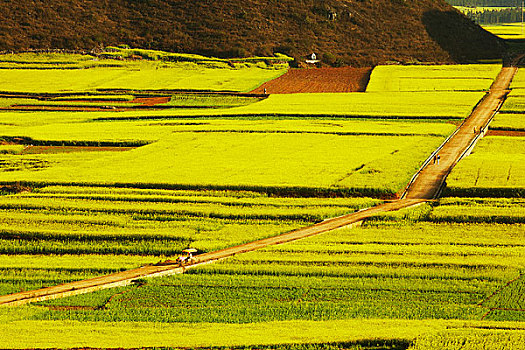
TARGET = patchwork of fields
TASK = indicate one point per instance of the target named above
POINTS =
(92, 187)
(417, 269)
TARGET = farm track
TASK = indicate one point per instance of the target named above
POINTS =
(431, 178)
(426, 185)
(169, 267)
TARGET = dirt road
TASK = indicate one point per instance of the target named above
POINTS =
(426, 186)
(167, 268)
(431, 178)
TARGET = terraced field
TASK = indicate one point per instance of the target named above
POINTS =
(417, 264)
(374, 271)
(88, 227)
(261, 161)
(212, 170)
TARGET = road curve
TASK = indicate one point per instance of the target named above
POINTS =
(427, 185)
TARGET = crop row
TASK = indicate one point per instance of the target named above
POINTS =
(23, 272)
(225, 198)
(420, 270)
(382, 105)
(282, 164)
(176, 209)
(68, 128)
(435, 78)
(495, 169)
(508, 122)
(135, 76)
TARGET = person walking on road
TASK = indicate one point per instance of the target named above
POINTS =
(438, 158)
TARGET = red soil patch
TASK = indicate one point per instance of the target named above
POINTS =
(345, 79)
(506, 133)
(61, 108)
(70, 149)
(151, 101)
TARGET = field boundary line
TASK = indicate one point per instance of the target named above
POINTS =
(499, 290)
(169, 267)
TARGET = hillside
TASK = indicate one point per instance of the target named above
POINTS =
(360, 33)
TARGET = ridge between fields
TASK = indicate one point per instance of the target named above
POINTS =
(426, 184)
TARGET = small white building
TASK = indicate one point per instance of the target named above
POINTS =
(313, 59)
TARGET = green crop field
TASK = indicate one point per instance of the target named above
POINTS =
(403, 268)
(511, 115)
(127, 158)
(514, 104)
(241, 161)
(507, 30)
(509, 122)
(58, 127)
(482, 8)
(496, 168)
(378, 104)
(518, 82)
(136, 76)
(129, 227)
(433, 78)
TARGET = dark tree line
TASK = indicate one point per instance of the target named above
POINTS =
(495, 16)
(485, 3)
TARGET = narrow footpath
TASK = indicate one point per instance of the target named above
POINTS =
(425, 185)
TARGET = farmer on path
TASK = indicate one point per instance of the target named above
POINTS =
(438, 158)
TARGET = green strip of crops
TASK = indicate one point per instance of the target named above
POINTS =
(417, 271)
(495, 169)
(476, 77)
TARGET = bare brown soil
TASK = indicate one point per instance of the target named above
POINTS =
(151, 101)
(71, 149)
(15, 188)
(345, 79)
(506, 133)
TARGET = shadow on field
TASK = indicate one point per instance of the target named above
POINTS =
(375, 344)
